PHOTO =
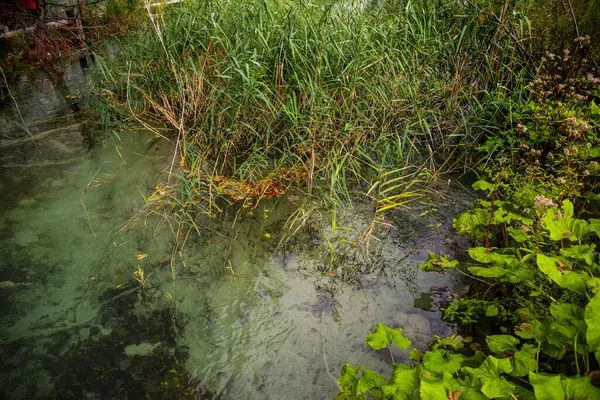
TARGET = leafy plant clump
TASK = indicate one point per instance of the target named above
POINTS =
(548, 282)
(549, 143)
(534, 263)
(334, 95)
(510, 370)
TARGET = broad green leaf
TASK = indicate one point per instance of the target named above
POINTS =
(349, 378)
(580, 388)
(525, 360)
(461, 390)
(483, 185)
(517, 234)
(369, 380)
(455, 342)
(594, 109)
(520, 393)
(415, 355)
(561, 333)
(570, 320)
(498, 344)
(594, 152)
(487, 256)
(489, 373)
(437, 263)
(439, 361)
(562, 225)
(507, 212)
(513, 273)
(583, 348)
(476, 360)
(554, 351)
(472, 221)
(572, 280)
(404, 383)
(385, 336)
(592, 319)
(567, 312)
(530, 330)
(491, 311)
(432, 388)
(593, 283)
(595, 226)
(547, 387)
(488, 272)
(505, 267)
(582, 252)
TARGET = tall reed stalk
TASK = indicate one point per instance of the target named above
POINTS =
(325, 96)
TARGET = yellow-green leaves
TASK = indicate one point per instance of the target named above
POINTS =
(498, 344)
(349, 378)
(557, 387)
(439, 361)
(562, 225)
(504, 267)
(592, 319)
(473, 222)
(385, 336)
(483, 185)
(404, 383)
(415, 355)
(352, 386)
(525, 360)
(563, 272)
(369, 381)
(493, 384)
(546, 386)
(522, 361)
(438, 263)
(432, 388)
(583, 252)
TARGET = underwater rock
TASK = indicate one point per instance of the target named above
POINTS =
(27, 202)
(424, 302)
(84, 334)
(91, 395)
(143, 349)
(323, 306)
(417, 328)
(9, 285)
(25, 237)
(125, 364)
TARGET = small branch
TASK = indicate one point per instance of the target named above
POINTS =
(29, 29)
(13, 142)
(88, 187)
(391, 355)
(573, 16)
(19, 110)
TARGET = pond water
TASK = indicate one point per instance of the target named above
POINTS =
(248, 316)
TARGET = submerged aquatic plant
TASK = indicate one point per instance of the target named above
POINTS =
(140, 276)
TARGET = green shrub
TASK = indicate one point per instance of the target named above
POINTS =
(334, 92)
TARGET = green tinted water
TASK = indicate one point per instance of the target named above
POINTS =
(248, 316)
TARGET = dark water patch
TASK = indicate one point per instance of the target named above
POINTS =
(424, 302)
(138, 359)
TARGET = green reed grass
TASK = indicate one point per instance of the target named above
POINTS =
(342, 91)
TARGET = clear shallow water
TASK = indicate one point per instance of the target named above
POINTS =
(248, 316)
